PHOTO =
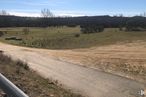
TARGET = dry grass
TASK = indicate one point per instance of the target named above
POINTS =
(29, 82)
(65, 37)
(125, 59)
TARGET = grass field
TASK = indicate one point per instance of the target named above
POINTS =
(31, 83)
(65, 37)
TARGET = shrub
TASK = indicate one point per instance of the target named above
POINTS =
(86, 29)
(71, 25)
(1, 52)
(4, 58)
(120, 28)
(25, 30)
(13, 38)
(77, 35)
(5, 32)
(1, 33)
(22, 64)
(26, 67)
(100, 28)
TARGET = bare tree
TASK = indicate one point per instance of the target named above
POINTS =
(3, 12)
(121, 15)
(143, 14)
(46, 13)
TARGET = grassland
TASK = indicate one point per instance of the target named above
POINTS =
(65, 37)
(31, 83)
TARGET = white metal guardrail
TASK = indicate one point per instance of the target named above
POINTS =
(9, 88)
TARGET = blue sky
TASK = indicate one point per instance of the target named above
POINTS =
(74, 7)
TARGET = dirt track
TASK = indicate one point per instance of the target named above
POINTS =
(90, 82)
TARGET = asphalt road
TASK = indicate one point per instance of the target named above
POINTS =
(89, 82)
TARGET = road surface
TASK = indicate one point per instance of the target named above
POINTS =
(89, 82)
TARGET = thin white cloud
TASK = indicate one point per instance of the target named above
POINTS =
(25, 14)
(36, 13)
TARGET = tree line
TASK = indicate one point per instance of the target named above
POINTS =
(106, 21)
(130, 23)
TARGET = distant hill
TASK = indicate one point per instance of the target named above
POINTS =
(106, 21)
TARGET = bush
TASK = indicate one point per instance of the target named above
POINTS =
(22, 64)
(120, 28)
(1, 52)
(100, 28)
(77, 35)
(25, 30)
(26, 67)
(1, 33)
(13, 38)
(86, 29)
(71, 25)
(4, 58)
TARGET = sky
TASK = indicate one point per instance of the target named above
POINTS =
(74, 7)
